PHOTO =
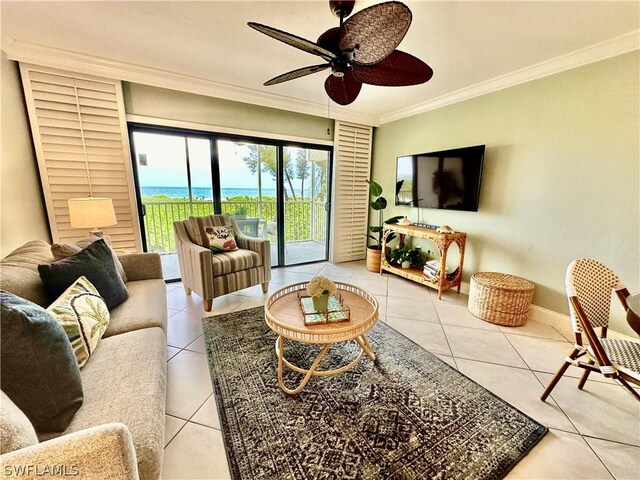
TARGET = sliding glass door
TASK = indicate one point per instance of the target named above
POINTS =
(174, 182)
(273, 190)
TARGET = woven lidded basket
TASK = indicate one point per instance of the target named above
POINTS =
(500, 298)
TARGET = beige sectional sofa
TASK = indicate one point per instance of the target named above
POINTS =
(121, 421)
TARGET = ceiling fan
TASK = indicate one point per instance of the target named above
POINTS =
(361, 50)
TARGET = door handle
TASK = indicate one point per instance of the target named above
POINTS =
(144, 210)
(327, 206)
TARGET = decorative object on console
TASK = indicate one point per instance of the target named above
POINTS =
(84, 316)
(319, 289)
(361, 50)
(404, 221)
(40, 373)
(406, 256)
(91, 212)
(445, 229)
(379, 203)
(361, 404)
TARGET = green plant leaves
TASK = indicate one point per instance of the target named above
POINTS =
(380, 203)
(374, 189)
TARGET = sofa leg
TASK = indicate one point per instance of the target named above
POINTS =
(187, 290)
(265, 287)
(208, 305)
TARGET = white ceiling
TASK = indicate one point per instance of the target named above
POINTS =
(466, 43)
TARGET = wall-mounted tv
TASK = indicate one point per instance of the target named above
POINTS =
(449, 179)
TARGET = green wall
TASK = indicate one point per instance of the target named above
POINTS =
(561, 177)
(190, 107)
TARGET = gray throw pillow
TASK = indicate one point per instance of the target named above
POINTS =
(94, 262)
(64, 250)
(40, 373)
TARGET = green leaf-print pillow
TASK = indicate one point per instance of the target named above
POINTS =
(84, 316)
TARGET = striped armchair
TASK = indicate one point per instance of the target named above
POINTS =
(212, 275)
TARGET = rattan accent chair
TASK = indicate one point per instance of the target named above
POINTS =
(589, 284)
(212, 275)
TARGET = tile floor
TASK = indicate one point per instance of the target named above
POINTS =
(594, 433)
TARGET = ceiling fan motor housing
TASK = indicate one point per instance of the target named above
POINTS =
(341, 8)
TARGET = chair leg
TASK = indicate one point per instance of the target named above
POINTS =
(629, 388)
(585, 375)
(265, 287)
(187, 290)
(558, 376)
(208, 305)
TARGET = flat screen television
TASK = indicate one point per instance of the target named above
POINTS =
(449, 179)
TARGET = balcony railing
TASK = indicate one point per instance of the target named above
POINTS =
(306, 220)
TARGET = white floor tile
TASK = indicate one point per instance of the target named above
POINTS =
(428, 335)
(251, 302)
(172, 426)
(311, 268)
(375, 286)
(402, 288)
(178, 300)
(623, 461)
(450, 360)
(534, 329)
(197, 345)
(343, 270)
(208, 414)
(171, 352)
(415, 309)
(196, 452)
(599, 410)
(188, 384)
(482, 345)
(519, 387)
(183, 328)
(560, 455)
(457, 314)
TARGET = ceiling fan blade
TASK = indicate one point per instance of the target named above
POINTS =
(293, 40)
(293, 74)
(375, 32)
(398, 69)
(343, 90)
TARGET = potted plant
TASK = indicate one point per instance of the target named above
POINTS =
(378, 203)
(406, 256)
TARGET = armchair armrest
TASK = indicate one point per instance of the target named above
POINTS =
(196, 265)
(141, 266)
(102, 452)
(258, 245)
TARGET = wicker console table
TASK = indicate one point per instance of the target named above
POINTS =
(442, 242)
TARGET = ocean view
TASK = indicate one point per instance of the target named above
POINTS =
(204, 193)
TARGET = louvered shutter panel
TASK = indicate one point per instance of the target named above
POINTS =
(352, 146)
(74, 115)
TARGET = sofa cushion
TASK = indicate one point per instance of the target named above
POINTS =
(39, 370)
(125, 381)
(146, 307)
(228, 262)
(84, 316)
(19, 271)
(16, 430)
(64, 250)
(94, 262)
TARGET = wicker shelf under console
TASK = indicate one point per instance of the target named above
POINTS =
(442, 242)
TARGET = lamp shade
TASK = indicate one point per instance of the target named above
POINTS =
(91, 212)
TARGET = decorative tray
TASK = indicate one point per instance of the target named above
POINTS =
(337, 312)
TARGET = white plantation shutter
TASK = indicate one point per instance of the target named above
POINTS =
(352, 147)
(74, 115)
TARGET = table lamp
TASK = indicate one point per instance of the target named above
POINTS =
(91, 212)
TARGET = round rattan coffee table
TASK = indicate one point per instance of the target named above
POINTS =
(284, 316)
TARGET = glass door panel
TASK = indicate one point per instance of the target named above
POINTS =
(174, 179)
(306, 187)
(248, 191)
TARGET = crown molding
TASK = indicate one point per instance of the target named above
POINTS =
(103, 67)
(594, 53)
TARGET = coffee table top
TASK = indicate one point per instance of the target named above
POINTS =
(283, 315)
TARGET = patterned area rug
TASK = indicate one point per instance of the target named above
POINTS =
(408, 415)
